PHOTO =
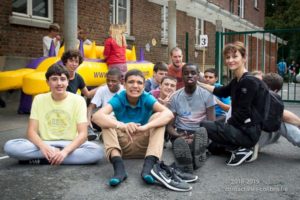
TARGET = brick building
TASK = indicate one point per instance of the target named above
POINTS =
(24, 23)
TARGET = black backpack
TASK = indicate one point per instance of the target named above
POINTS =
(268, 107)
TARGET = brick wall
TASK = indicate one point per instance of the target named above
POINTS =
(145, 26)
(93, 16)
(18, 40)
(4, 13)
(254, 15)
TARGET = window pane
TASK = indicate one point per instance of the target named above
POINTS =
(111, 13)
(199, 24)
(122, 16)
(123, 3)
(231, 6)
(20, 6)
(40, 8)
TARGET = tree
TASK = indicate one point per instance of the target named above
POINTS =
(284, 14)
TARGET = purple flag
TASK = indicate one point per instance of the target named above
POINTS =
(81, 48)
(142, 58)
(52, 50)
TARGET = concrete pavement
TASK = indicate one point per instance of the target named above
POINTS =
(274, 175)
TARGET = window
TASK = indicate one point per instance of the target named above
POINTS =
(32, 12)
(255, 3)
(119, 12)
(231, 6)
(241, 8)
(199, 30)
(164, 25)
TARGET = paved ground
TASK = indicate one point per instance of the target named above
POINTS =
(274, 175)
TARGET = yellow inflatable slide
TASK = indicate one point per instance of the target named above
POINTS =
(93, 70)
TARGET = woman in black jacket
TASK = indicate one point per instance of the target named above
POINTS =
(242, 130)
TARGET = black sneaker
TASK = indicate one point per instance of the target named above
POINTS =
(91, 134)
(171, 181)
(41, 161)
(199, 145)
(239, 156)
(183, 155)
(187, 177)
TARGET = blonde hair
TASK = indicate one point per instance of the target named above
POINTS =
(234, 47)
(117, 32)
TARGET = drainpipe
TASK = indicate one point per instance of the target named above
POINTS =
(70, 26)
(171, 24)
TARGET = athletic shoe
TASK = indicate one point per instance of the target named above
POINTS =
(183, 155)
(199, 145)
(239, 156)
(171, 181)
(187, 177)
(91, 134)
(254, 155)
(41, 161)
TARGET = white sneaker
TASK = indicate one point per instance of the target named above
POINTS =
(255, 153)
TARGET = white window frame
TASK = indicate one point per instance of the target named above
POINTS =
(197, 35)
(30, 20)
(115, 14)
(241, 8)
(164, 25)
(255, 3)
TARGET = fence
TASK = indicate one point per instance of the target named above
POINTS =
(264, 50)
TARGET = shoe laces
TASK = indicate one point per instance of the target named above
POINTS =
(171, 172)
(232, 157)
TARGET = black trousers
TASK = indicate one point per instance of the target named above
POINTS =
(231, 137)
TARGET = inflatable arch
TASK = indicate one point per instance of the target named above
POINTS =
(93, 70)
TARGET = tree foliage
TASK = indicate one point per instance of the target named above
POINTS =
(284, 14)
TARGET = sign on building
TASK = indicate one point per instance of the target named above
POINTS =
(203, 41)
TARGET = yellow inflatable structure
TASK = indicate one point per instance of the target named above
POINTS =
(92, 69)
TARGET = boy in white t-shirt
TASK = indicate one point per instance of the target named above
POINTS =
(103, 95)
(53, 36)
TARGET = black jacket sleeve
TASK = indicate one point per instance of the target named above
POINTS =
(223, 91)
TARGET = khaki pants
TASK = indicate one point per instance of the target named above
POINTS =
(144, 143)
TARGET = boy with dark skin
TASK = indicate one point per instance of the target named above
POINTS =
(190, 105)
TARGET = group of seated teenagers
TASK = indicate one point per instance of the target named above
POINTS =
(135, 123)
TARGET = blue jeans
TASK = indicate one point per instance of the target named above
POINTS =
(23, 149)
